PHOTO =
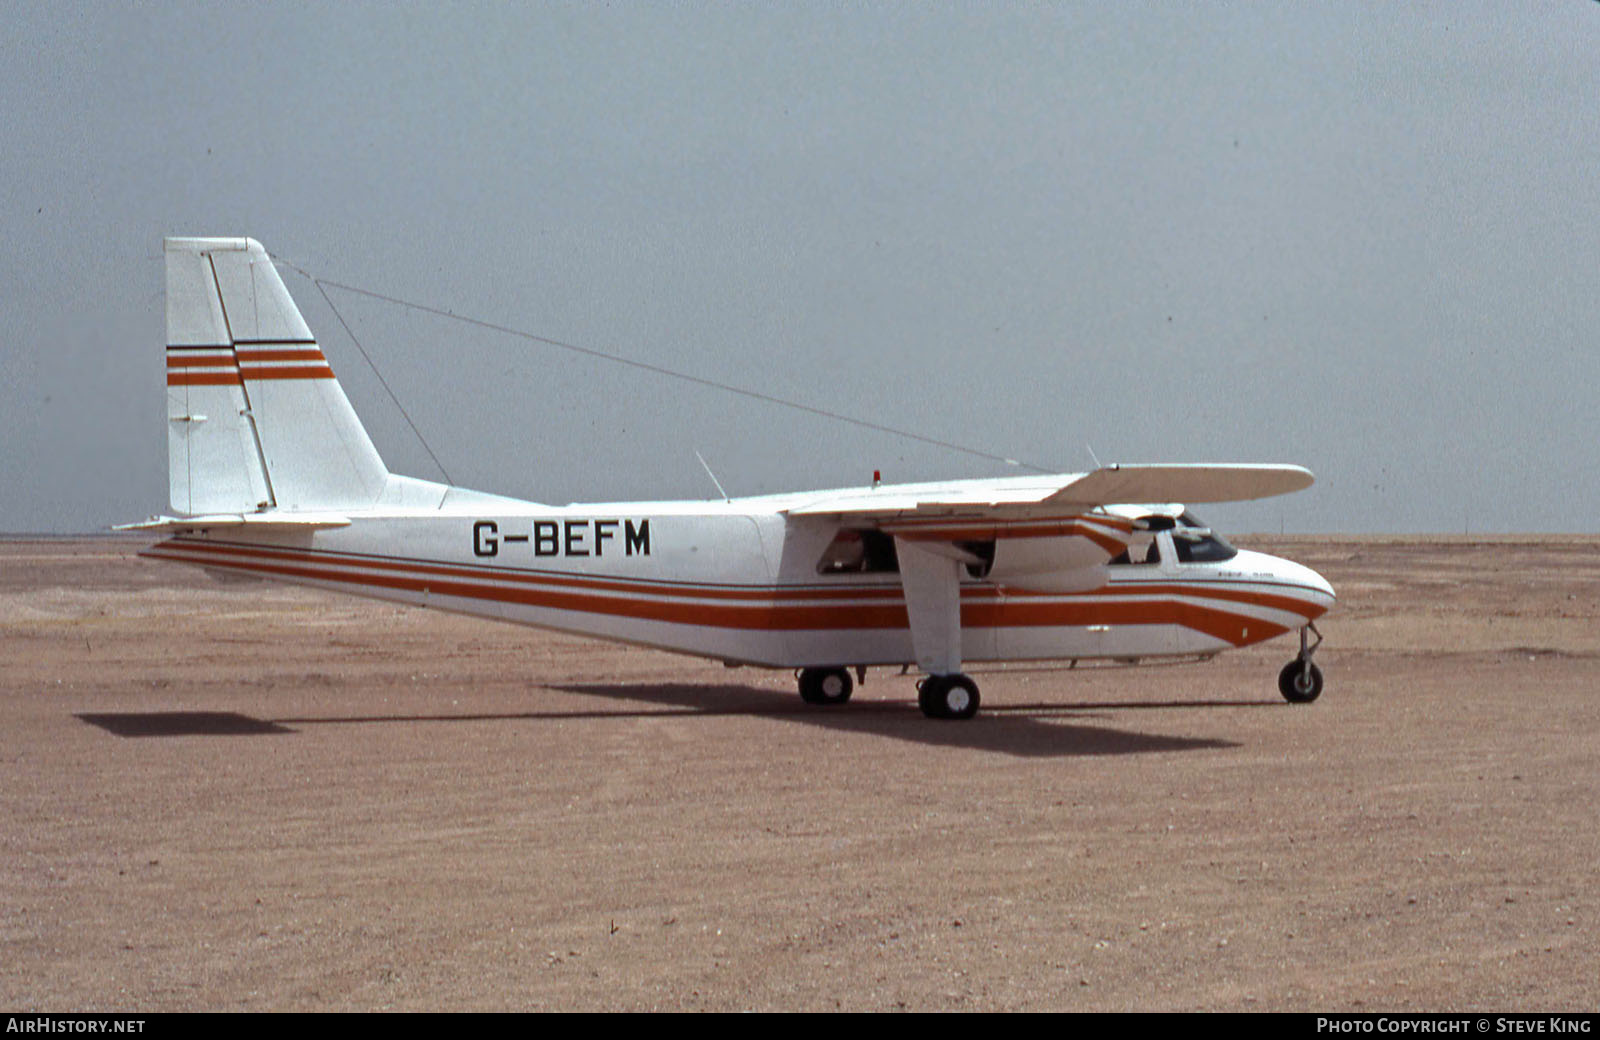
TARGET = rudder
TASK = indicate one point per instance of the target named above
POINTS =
(256, 419)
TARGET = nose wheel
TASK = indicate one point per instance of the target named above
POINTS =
(1300, 682)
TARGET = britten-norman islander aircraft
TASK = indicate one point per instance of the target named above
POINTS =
(272, 474)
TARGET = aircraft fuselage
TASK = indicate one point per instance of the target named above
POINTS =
(740, 582)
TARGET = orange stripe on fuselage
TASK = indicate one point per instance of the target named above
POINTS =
(1238, 629)
(762, 608)
(682, 589)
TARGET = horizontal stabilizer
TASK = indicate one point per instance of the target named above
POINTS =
(254, 521)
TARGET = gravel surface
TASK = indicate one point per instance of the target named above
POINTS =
(250, 796)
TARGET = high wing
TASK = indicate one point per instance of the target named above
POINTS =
(1045, 534)
(1238, 482)
(1024, 496)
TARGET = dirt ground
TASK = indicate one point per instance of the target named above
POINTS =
(248, 796)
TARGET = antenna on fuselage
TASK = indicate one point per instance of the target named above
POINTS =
(713, 477)
(1092, 455)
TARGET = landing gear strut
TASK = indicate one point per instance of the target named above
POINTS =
(1300, 682)
(948, 697)
(825, 685)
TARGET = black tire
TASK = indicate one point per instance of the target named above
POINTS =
(1300, 682)
(948, 697)
(825, 685)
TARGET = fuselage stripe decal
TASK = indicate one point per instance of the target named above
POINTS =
(681, 589)
(1225, 625)
(759, 594)
(767, 613)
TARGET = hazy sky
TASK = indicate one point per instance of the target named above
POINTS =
(1360, 237)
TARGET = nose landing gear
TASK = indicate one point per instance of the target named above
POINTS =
(1300, 682)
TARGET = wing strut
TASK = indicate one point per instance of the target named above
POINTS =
(932, 585)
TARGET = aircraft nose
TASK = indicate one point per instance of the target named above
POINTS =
(1293, 578)
(1315, 587)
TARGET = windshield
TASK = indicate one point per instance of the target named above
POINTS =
(1197, 543)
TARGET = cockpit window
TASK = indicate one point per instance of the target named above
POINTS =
(1197, 543)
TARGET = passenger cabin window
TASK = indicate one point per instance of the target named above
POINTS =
(870, 551)
(859, 552)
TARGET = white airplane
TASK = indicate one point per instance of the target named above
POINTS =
(272, 475)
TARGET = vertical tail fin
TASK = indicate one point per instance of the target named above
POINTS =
(256, 419)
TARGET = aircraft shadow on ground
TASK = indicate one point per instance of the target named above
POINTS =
(1027, 730)
(181, 724)
(1031, 730)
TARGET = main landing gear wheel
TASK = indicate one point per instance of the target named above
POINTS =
(825, 685)
(1300, 682)
(948, 697)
